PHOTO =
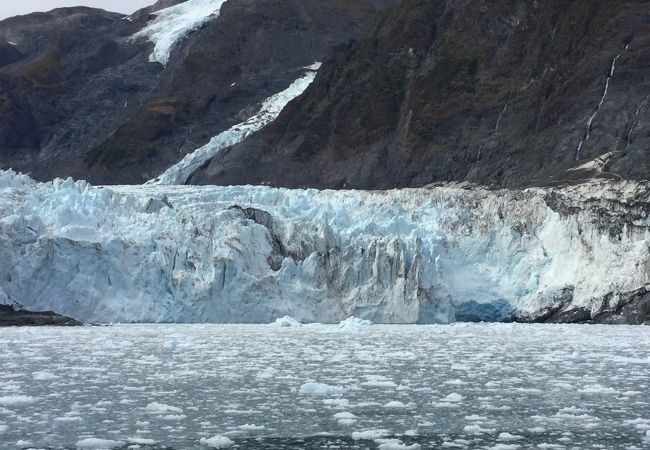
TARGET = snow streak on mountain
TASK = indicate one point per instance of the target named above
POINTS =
(176, 22)
(269, 111)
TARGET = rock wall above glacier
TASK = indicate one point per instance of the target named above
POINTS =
(253, 254)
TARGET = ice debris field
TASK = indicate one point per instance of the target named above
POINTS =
(350, 386)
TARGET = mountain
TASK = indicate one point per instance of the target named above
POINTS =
(504, 92)
(114, 99)
(515, 133)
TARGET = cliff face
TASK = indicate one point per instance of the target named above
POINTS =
(498, 92)
(80, 97)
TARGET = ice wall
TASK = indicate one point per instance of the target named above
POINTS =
(252, 254)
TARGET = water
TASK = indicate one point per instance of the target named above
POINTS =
(459, 386)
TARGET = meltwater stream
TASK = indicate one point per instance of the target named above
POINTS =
(503, 386)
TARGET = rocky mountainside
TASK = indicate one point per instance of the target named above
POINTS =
(505, 92)
(85, 93)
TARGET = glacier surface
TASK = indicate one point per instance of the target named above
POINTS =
(271, 108)
(174, 23)
(157, 253)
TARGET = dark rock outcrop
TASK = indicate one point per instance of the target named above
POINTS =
(495, 92)
(12, 317)
(79, 97)
(630, 308)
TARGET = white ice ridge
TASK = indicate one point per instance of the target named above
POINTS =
(254, 254)
(269, 111)
(174, 23)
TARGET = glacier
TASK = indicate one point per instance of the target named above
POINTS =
(173, 24)
(270, 109)
(161, 253)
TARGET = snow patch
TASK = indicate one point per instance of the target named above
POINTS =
(174, 23)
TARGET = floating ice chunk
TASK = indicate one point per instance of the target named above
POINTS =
(395, 444)
(455, 382)
(251, 427)
(345, 418)
(98, 444)
(173, 417)
(286, 322)
(445, 405)
(68, 419)
(337, 402)
(639, 424)
(453, 398)
(377, 382)
(395, 404)
(598, 389)
(174, 23)
(141, 441)
(23, 443)
(477, 429)
(217, 442)
(44, 376)
(161, 408)
(505, 447)
(320, 389)
(509, 437)
(476, 418)
(353, 323)
(370, 434)
(15, 400)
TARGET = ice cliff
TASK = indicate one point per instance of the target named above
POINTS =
(253, 254)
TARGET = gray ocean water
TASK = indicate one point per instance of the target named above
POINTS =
(480, 386)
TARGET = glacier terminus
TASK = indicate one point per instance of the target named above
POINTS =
(156, 253)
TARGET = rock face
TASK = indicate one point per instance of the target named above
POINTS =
(254, 254)
(80, 97)
(496, 92)
(12, 317)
